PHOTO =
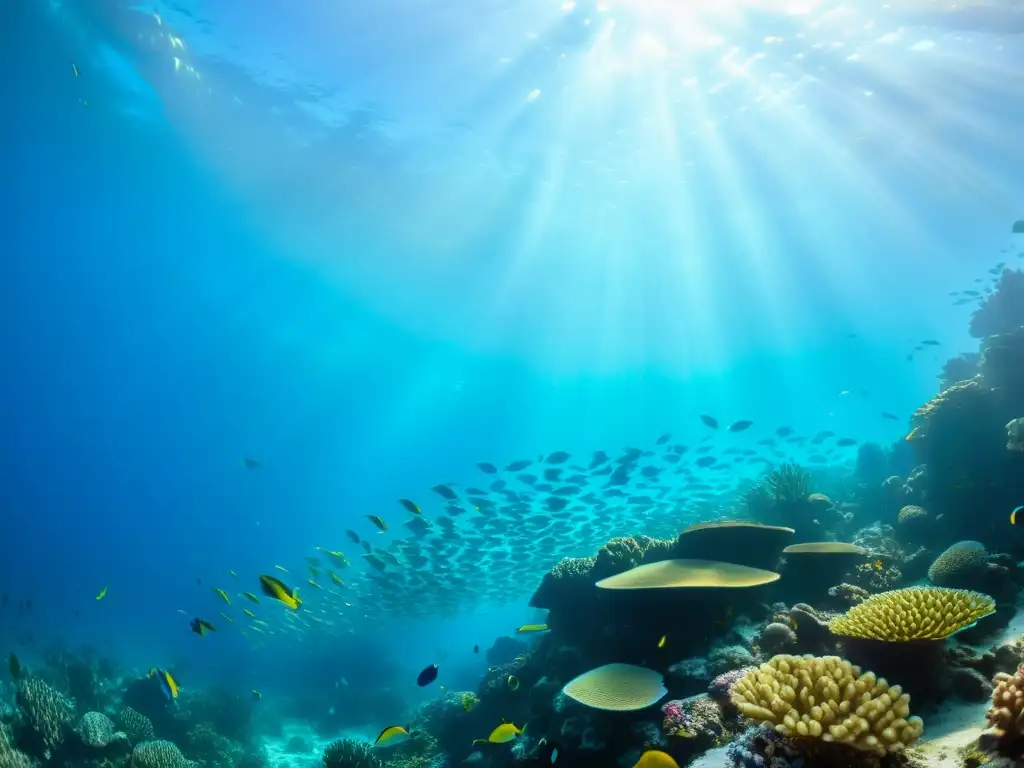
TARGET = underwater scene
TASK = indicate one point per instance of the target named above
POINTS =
(512, 384)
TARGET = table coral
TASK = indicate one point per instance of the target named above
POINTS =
(914, 613)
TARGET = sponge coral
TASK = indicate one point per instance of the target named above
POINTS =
(960, 565)
(914, 613)
(829, 699)
(1006, 715)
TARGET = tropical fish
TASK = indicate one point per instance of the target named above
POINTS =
(201, 627)
(15, 666)
(661, 643)
(276, 589)
(476, 649)
(282, 569)
(391, 736)
(709, 421)
(256, 695)
(547, 752)
(251, 463)
(503, 734)
(530, 628)
(427, 676)
(411, 506)
(233, 574)
(227, 618)
(249, 613)
(653, 758)
(336, 578)
(377, 521)
(103, 592)
(1013, 515)
(741, 426)
(167, 683)
(250, 596)
(513, 683)
(222, 594)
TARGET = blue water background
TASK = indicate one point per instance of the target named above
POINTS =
(373, 292)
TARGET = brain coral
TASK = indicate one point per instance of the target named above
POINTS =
(97, 730)
(912, 515)
(136, 726)
(158, 754)
(959, 565)
(828, 698)
(47, 711)
(913, 613)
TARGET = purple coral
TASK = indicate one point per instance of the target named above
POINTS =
(692, 717)
(761, 747)
(719, 688)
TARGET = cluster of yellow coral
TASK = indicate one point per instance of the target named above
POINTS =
(914, 613)
(953, 396)
(1006, 715)
(828, 698)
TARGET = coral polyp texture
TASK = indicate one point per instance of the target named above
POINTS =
(158, 754)
(48, 712)
(1006, 715)
(961, 562)
(913, 613)
(829, 699)
(349, 753)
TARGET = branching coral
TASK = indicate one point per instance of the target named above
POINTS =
(829, 699)
(914, 613)
(1006, 715)
(348, 753)
(627, 552)
(47, 712)
(789, 483)
(158, 754)
(136, 726)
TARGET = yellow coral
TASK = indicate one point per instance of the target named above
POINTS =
(1006, 715)
(914, 613)
(828, 698)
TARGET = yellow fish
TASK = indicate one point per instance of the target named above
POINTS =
(249, 613)
(411, 506)
(338, 558)
(661, 643)
(276, 589)
(336, 579)
(652, 758)
(222, 594)
(103, 592)
(313, 584)
(392, 735)
(503, 734)
(377, 521)
(251, 596)
(528, 628)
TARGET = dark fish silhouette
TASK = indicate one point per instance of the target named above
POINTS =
(741, 426)
(427, 676)
(709, 421)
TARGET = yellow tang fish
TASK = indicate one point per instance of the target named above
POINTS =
(528, 628)
(652, 758)
(103, 592)
(503, 734)
(276, 589)
(392, 735)
(168, 684)
(222, 594)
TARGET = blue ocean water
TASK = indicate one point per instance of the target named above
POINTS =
(370, 245)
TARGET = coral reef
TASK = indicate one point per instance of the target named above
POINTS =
(348, 753)
(1003, 310)
(158, 754)
(97, 730)
(828, 698)
(961, 565)
(47, 712)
